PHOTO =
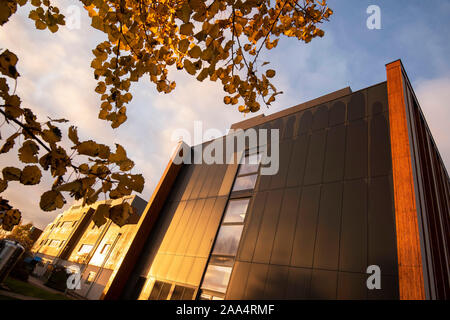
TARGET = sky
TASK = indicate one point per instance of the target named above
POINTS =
(56, 80)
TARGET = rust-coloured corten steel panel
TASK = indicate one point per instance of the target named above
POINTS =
(411, 282)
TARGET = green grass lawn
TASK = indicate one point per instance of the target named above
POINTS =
(27, 289)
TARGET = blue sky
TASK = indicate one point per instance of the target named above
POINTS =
(57, 80)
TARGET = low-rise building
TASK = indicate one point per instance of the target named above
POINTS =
(74, 241)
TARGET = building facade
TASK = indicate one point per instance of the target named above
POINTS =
(74, 241)
(360, 185)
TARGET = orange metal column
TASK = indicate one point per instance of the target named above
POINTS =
(410, 270)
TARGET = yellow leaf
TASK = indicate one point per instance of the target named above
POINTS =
(195, 52)
(120, 213)
(189, 66)
(186, 29)
(270, 73)
(183, 45)
(51, 200)
(28, 152)
(30, 175)
(101, 87)
(3, 185)
(11, 173)
(8, 61)
(73, 135)
(100, 214)
(40, 25)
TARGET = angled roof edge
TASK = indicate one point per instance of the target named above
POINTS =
(248, 123)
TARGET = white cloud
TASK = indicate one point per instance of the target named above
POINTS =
(434, 96)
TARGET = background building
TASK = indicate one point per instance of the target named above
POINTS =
(360, 183)
(73, 240)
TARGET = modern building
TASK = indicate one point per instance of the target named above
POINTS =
(360, 185)
(361, 194)
(73, 240)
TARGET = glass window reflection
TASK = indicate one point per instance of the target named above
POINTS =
(245, 183)
(236, 211)
(227, 241)
(216, 278)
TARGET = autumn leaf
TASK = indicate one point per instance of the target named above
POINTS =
(30, 175)
(28, 152)
(11, 173)
(8, 61)
(101, 214)
(51, 200)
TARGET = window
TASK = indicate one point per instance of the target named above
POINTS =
(227, 241)
(236, 210)
(217, 275)
(160, 290)
(248, 173)
(250, 164)
(90, 277)
(216, 278)
(62, 243)
(54, 243)
(85, 248)
(105, 248)
(245, 183)
(74, 223)
(182, 293)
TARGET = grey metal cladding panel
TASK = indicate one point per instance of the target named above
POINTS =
(357, 106)
(326, 252)
(200, 180)
(250, 233)
(217, 180)
(316, 154)
(353, 242)
(200, 228)
(179, 230)
(266, 235)
(181, 182)
(192, 181)
(238, 281)
(323, 285)
(212, 226)
(276, 283)
(356, 150)
(299, 283)
(380, 151)
(154, 241)
(279, 180)
(320, 118)
(209, 180)
(263, 183)
(334, 155)
(289, 130)
(337, 113)
(352, 286)
(298, 161)
(191, 228)
(284, 238)
(305, 231)
(381, 233)
(389, 289)
(377, 99)
(256, 281)
(305, 122)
